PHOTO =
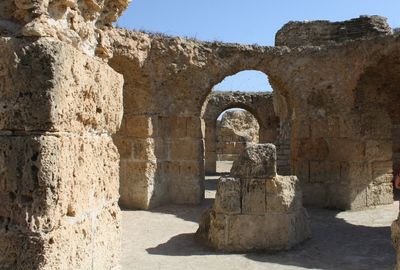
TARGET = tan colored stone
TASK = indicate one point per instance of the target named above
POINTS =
(228, 196)
(257, 161)
(379, 149)
(76, 22)
(139, 126)
(325, 171)
(75, 93)
(185, 149)
(283, 195)
(380, 194)
(137, 183)
(253, 196)
(255, 213)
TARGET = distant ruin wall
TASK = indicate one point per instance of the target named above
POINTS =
(259, 104)
(234, 131)
(317, 33)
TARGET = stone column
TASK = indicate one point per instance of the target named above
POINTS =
(59, 166)
(210, 147)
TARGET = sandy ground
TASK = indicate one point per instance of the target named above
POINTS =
(163, 239)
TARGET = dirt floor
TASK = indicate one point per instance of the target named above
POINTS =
(163, 239)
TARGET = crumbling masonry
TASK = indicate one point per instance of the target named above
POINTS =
(259, 104)
(254, 208)
(335, 92)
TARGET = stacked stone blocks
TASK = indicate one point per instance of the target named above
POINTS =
(59, 166)
(254, 208)
(160, 159)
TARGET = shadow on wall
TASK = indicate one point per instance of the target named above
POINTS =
(335, 245)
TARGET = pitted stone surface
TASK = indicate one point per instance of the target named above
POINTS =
(59, 181)
(76, 22)
(317, 95)
(255, 209)
(317, 33)
(234, 130)
(49, 85)
(256, 161)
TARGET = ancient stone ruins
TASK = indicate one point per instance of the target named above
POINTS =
(95, 118)
(254, 208)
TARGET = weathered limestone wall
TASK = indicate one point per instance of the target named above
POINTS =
(79, 23)
(160, 139)
(317, 33)
(234, 131)
(254, 208)
(59, 180)
(340, 152)
(341, 128)
(59, 107)
(258, 104)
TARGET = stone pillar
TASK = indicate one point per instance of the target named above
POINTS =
(210, 147)
(183, 158)
(139, 144)
(254, 208)
(59, 166)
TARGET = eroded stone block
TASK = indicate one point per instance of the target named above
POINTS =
(228, 196)
(49, 85)
(283, 195)
(257, 161)
(137, 183)
(253, 195)
(47, 177)
(255, 213)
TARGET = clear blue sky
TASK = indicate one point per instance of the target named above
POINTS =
(245, 21)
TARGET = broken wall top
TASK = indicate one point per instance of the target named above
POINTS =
(77, 22)
(317, 33)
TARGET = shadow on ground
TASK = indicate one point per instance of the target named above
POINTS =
(335, 244)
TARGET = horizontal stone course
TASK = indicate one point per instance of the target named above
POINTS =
(57, 89)
(45, 178)
(255, 209)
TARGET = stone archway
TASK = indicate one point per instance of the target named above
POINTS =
(258, 104)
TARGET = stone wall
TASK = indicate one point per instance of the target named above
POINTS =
(59, 180)
(317, 96)
(234, 131)
(317, 33)
(59, 107)
(258, 104)
(79, 23)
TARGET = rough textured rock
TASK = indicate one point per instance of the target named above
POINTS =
(59, 182)
(240, 123)
(234, 130)
(336, 98)
(257, 160)
(317, 33)
(79, 23)
(73, 91)
(255, 209)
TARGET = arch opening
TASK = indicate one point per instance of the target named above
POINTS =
(235, 129)
(245, 81)
(238, 111)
